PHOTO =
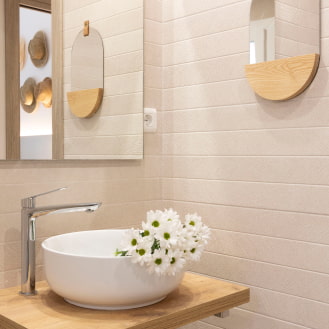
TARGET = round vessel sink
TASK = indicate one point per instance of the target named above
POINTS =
(82, 268)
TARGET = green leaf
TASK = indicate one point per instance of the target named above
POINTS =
(120, 252)
(155, 245)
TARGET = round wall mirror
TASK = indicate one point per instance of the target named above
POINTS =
(284, 47)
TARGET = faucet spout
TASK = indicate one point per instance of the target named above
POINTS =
(29, 214)
(59, 209)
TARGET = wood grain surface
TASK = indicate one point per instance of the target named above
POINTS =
(85, 103)
(282, 79)
(197, 297)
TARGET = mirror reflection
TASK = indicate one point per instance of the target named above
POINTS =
(116, 130)
(283, 28)
(35, 82)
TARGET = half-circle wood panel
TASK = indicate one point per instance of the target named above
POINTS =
(284, 78)
(85, 103)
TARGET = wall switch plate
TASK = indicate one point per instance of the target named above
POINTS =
(150, 120)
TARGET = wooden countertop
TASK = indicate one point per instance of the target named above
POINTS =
(197, 297)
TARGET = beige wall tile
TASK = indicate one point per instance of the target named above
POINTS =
(123, 64)
(129, 83)
(153, 32)
(192, 26)
(296, 226)
(153, 10)
(300, 255)
(284, 142)
(210, 46)
(283, 197)
(230, 92)
(240, 318)
(75, 18)
(282, 279)
(249, 169)
(256, 116)
(206, 71)
(295, 310)
(124, 43)
(178, 9)
(153, 77)
(256, 171)
(197, 325)
(153, 54)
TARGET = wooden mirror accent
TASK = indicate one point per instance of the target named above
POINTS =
(284, 47)
(85, 103)
(284, 78)
(87, 73)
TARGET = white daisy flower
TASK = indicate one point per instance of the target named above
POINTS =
(169, 233)
(177, 261)
(130, 240)
(142, 254)
(160, 262)
(165, 244)
(195, 253)
(171, 215)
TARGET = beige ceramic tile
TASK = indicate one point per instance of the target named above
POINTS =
(213, 46)
(129, 83)
(197, 325)
(96, 11)
(153, 76)
(153, 32)
(120, 24)
(178, 9)
(252, 169)
(124, 43)
(296, 226)
(125, 63)
(283, 197)
(287, 280)
(288, 308)
(207, 71)
(152, 54)
(311, 112)
(239, 318)
(284, 142)
(76, 4)
(10, 279)
(300, 255)
(153, 10)
(99, 147)
(232, 92)
(131, 124)
(197, 25)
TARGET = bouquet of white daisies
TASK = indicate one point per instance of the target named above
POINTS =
(165, 243)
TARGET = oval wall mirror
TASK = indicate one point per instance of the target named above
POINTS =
(284, 47)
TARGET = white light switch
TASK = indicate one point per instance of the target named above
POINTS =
(150, 120)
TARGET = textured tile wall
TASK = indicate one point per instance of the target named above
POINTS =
(127, 188)
(256, 171)
(297, 26)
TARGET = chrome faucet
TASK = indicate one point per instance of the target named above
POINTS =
(29, 214)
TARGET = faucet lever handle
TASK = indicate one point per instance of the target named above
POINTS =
(30, 201)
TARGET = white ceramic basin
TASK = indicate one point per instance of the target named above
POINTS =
(82, 268)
